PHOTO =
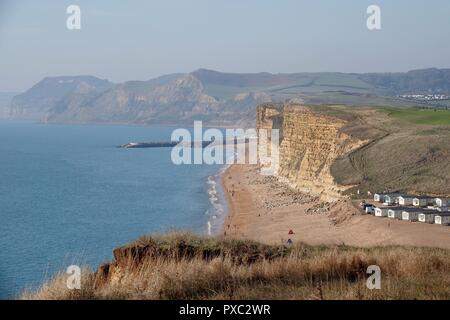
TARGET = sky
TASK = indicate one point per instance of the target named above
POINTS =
(141, 39)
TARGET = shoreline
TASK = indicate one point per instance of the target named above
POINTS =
(218, 202)
(263, 209)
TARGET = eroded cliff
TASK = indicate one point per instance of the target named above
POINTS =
(311, 139)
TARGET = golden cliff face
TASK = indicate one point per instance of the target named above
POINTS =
(310, 142)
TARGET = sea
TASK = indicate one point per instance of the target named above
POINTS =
(69, 196)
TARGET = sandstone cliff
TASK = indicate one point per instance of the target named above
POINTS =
(310, 141)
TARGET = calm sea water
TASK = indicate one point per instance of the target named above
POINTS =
(68, 195)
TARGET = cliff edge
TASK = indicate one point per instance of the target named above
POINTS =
(310, 141)
(335, 151)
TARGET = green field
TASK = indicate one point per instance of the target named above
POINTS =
(421, 116)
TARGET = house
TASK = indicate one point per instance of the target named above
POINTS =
(395, 213)
(442, 218)
(422, 201)
(405, 200)
(427, 216)
(392, 198)
(411, 214)
(378, 197)
(381, 212)
(388, 198)
(441, 202)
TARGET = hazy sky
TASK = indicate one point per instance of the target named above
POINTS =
(125, 40)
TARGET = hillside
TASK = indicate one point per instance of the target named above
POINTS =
(184, 266)
(411, 156)
(419, 81)
(226, 99)
(48, 95)
(335, 150)
(5, 102)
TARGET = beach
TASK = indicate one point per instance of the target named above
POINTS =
(264, 209)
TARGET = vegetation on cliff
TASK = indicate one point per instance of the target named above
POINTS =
(184, 266)
(408, 151)
(335, 150)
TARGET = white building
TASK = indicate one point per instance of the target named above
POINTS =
(395, 213)
(427, 217)
(378, 197)
(422, 201)
(410, 215)
(441, 202)
(442, 218)
(388, 198)
(381, 212)
(405, 200)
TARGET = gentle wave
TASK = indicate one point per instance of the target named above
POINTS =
(218, 207)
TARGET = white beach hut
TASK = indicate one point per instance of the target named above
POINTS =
(410, 215)
(389, 199)
(442, 218)
(405, 200)
(427, 217)
(441, 202)
(395, 213)
(393, 198)
(381, 212)
(422, 201)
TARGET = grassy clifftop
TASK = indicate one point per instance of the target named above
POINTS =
(407, 150)
(184, 266)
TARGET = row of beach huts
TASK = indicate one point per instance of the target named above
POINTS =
(410, 208)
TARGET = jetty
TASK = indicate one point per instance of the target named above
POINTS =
(171, 144)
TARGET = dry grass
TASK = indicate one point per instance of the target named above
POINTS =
(401, 156)
(184, 266)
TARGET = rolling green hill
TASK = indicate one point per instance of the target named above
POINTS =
(217, 98)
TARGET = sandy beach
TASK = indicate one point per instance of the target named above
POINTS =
(264, 209)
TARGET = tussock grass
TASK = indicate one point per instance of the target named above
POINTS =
(235, 269)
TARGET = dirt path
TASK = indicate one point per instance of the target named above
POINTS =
(261, 208)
